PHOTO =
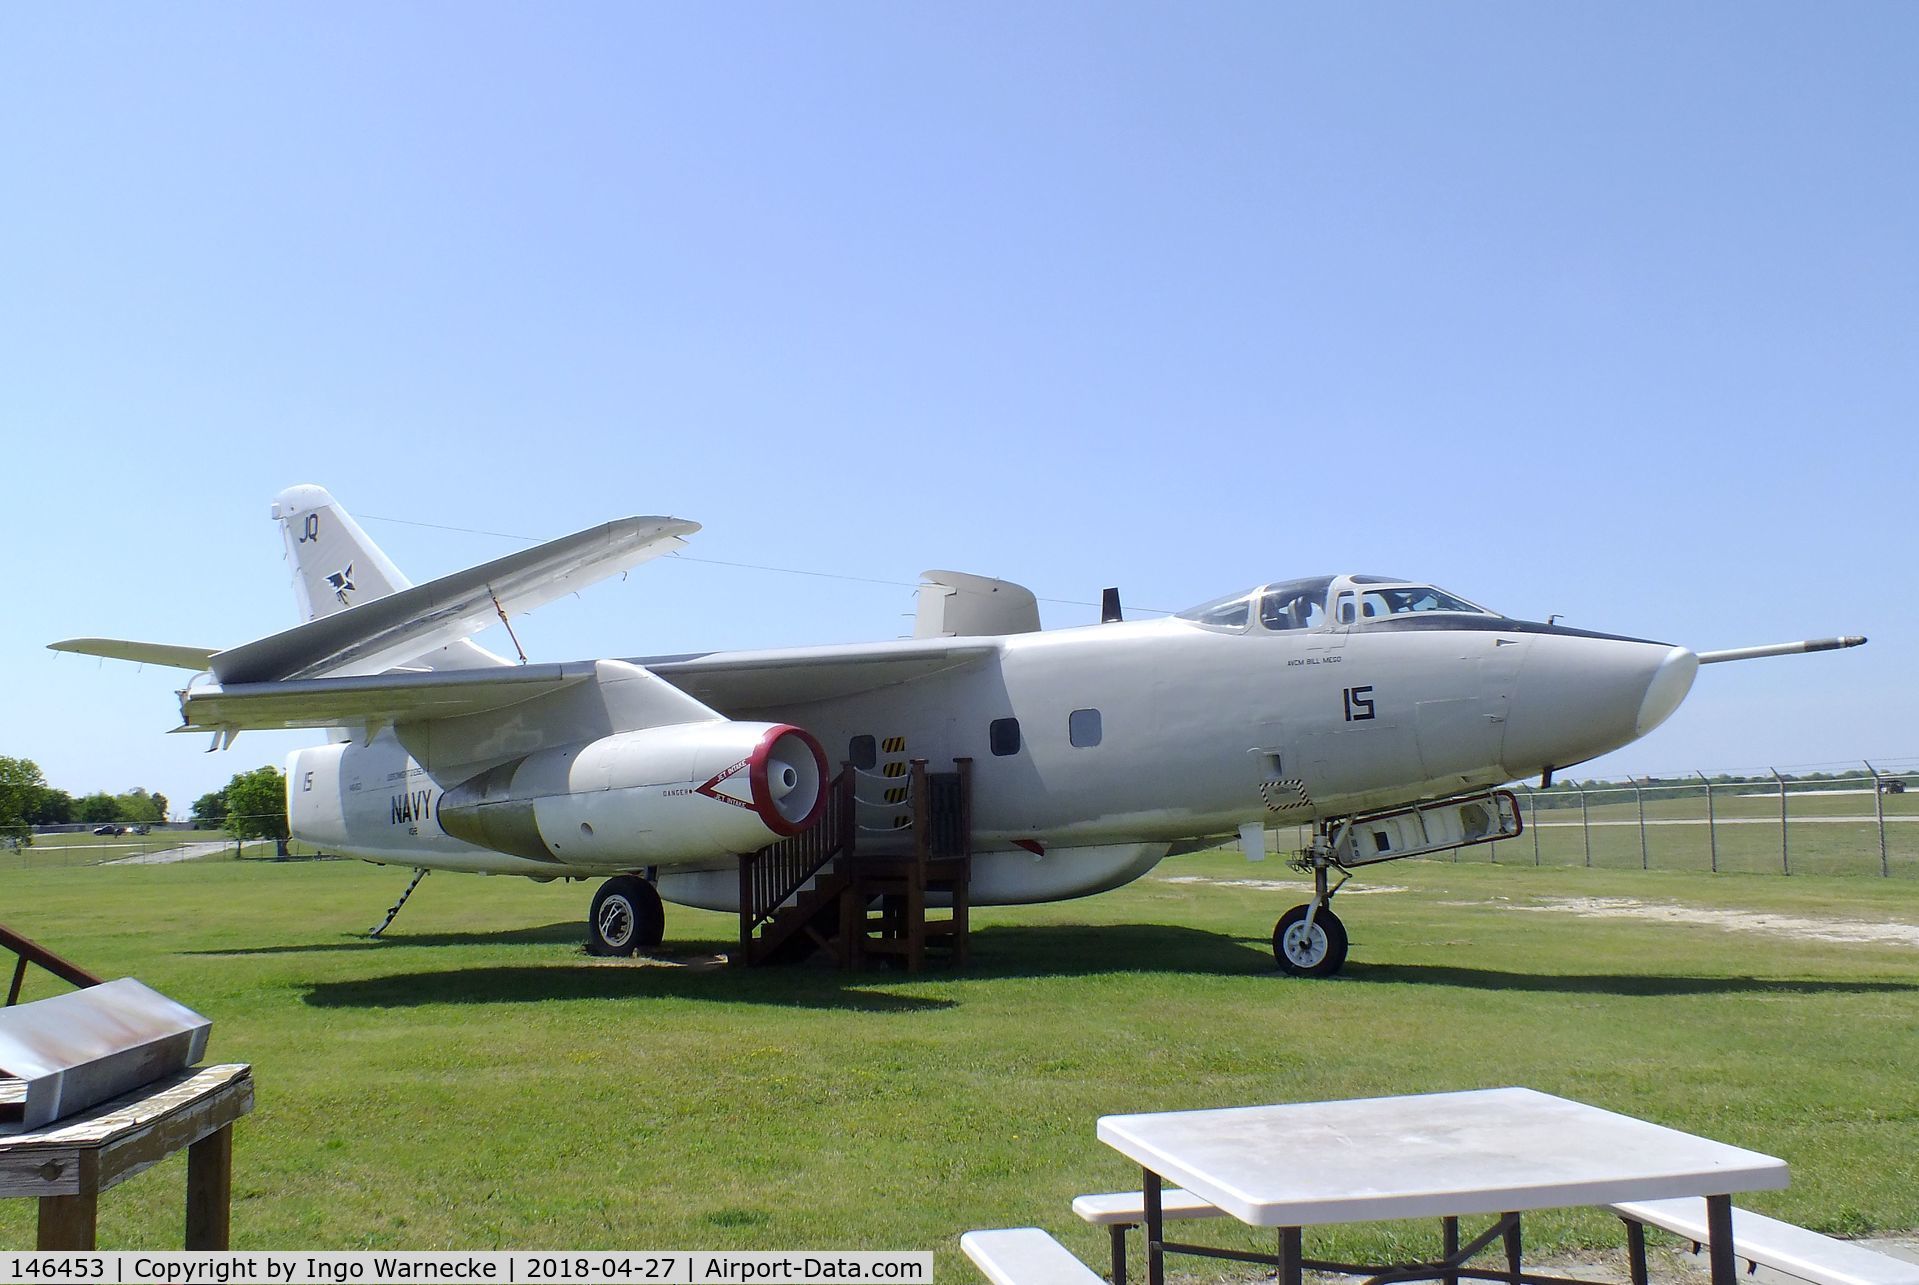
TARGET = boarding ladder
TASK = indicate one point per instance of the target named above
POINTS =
(819, 890)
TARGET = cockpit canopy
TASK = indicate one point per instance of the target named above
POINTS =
(1317, 601)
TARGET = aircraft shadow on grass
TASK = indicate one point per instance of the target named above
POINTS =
(1090, 950)
(535, 983)
(560, 934)
(1626, 984)
(1006, 951)
(1040, 951)
(1048, 950)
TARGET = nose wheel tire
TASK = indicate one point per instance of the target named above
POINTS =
(1319, 951)
(627, 917)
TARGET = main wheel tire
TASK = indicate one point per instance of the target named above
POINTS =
(627, 917)
(1316, 952)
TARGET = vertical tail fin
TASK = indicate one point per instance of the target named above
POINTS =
(335, 564)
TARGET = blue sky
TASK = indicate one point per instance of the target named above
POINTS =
(1608, 311)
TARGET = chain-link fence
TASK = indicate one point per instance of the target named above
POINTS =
(119, 843)
(1865, 822)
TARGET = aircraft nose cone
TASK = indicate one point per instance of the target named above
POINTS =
(1579, 697)
(1668, 686)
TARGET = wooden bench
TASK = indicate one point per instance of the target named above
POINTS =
(1025, 1256)
(1118, 1211)
(1760, 1240)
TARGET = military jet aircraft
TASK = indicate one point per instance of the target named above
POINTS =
(1385, 712)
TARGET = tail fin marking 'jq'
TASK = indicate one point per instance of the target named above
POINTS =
(337, 565)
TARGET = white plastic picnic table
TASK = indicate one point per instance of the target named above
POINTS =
(1486, 1151)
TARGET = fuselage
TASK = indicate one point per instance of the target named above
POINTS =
(1094, 749)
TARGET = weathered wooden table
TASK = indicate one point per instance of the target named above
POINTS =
(70, 1162)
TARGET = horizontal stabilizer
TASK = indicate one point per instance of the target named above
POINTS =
(145, 653)
(374, 636)
(1780, 649)
(388, 698)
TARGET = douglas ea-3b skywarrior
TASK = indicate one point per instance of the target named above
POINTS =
(1382, 711)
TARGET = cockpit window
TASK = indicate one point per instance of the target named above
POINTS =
(1285, 604)
(1234, 611)
(1398, 600)
(1294, 604)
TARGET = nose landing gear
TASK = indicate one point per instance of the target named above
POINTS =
(1309, 940)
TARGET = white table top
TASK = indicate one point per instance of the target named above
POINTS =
(1485, 1151)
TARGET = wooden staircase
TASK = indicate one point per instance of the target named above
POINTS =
(817, 891)
(787, 889)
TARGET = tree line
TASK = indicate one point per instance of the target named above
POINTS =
(27, 800)
(252, 805)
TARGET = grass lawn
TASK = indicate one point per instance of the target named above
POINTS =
(475, 1081)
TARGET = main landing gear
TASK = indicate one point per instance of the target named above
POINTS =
(627, 917)
(1309, 940)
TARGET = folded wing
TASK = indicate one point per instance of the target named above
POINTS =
(376, 635)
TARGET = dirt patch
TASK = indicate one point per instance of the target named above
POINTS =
(1741, 921)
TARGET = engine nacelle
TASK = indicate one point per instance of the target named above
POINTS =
(661, 795)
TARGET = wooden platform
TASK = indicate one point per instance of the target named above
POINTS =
(70, 1162)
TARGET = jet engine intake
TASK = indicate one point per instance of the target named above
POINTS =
(661, 795)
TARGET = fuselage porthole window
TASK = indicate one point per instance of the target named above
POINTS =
(1002, 736)
(1083, 729)
(863, 752)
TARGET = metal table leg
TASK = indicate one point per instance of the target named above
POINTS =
(1289, 1256)
(1636, 1250)
(1725, 1267)
(1156, 1230)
